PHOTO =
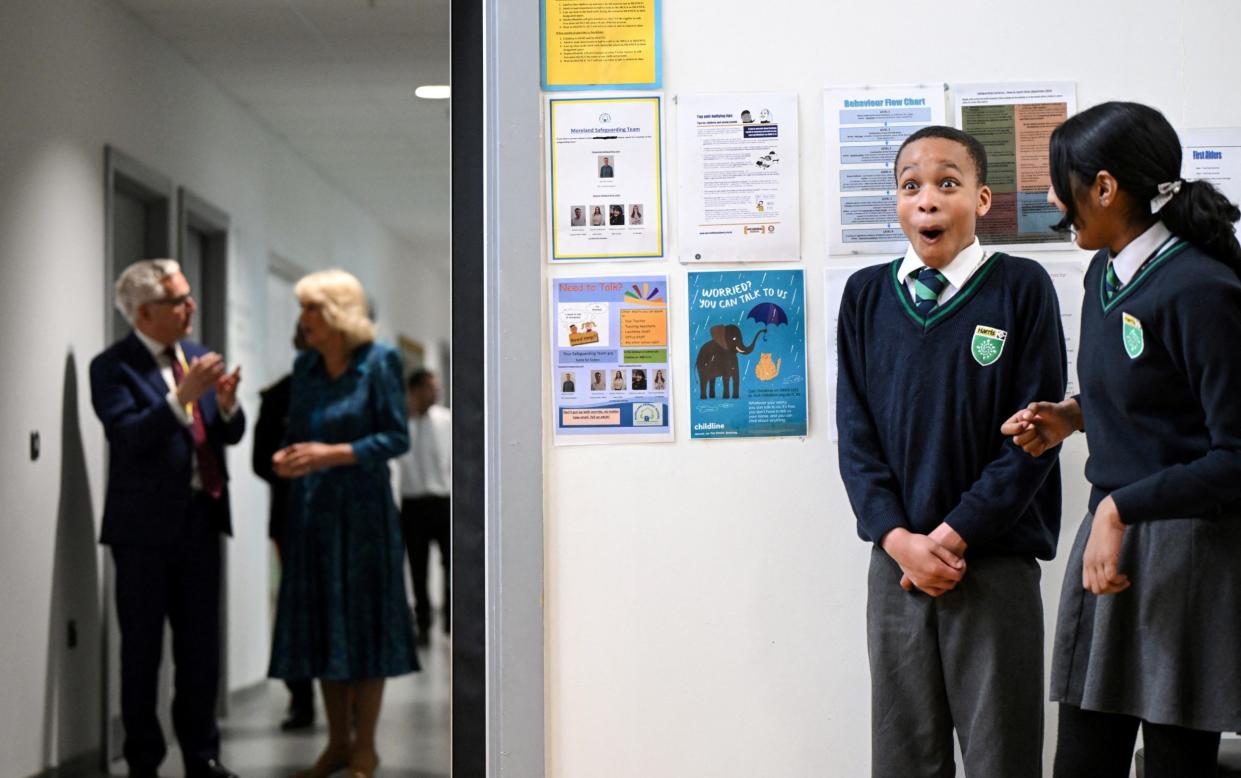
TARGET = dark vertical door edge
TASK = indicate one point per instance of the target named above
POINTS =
(469, 624)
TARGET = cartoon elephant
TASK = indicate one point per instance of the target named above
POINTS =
(718, 359)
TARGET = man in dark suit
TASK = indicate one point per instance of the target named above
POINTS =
(269, 433)
(168, 407)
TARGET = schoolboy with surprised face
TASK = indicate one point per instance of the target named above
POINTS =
(933, 348)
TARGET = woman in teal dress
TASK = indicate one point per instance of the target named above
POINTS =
(343, 616)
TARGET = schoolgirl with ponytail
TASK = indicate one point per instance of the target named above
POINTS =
(1149, 626)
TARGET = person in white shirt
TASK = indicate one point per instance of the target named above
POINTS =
(426, 489)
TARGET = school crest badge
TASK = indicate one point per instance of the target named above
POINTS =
(987, 345)
(1131, 332)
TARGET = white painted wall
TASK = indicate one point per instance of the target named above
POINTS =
(79, 74)
(705, 600)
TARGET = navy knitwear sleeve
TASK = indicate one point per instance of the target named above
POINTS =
(1000, 496)
(870, 483)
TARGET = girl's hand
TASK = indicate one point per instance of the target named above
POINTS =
(1102, 557)
(1043, 425)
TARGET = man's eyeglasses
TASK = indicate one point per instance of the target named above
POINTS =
(173, 302)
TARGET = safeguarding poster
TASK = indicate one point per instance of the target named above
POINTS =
(605, 174)
(601, 44)
(864, 127)
(1213, 155)
(611, 381)
(747, 337)
(1014, 122)
(738, 174)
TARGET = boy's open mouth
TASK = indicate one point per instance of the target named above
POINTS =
(931, 233)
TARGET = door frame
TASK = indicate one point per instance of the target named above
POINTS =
(497, 542)
(196, 213)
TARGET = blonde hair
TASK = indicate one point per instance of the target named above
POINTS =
(343, 302)
(142, 282)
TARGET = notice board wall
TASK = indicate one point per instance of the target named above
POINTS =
(705, 600)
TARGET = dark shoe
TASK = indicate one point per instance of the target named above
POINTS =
(423, 637)
(298, 719)
(209, 769)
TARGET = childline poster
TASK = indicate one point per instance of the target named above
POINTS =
(747, 335)
(605, 171)
(611, 381)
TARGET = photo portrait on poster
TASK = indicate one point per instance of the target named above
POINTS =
(605, 156)
(610, 359)
(747, 354)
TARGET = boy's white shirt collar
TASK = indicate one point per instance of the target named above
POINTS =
(958, 272)
(1132, 257)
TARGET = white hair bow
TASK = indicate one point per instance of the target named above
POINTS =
(1166, 192)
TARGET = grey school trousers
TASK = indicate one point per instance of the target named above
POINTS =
(970, 659)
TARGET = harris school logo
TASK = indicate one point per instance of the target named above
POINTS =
(1131, 333)
(987, 345)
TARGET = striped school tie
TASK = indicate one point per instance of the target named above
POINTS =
(1111, 281)
(928, 283)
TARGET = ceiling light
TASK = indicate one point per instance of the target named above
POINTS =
(433, 92)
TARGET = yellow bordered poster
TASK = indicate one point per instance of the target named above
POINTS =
(600, 44)
(605, 178)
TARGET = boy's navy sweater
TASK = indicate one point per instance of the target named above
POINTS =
(919, 416)
(1164, 427)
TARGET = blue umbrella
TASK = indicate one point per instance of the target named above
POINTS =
(767, 314)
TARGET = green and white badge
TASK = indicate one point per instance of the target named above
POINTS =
(987, 345)
(1131, 332)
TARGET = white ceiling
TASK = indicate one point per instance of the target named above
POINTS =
(335, 79)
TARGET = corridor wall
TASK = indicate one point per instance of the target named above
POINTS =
(80, 74)
(705, 602)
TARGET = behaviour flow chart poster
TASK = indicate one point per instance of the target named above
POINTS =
(738, 177)
(605, 177)
(611, 381)
(747, 338)
(1014, 122)
(863, 128)
(601, 44)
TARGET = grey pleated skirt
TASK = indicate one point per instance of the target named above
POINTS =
(1168, 648)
